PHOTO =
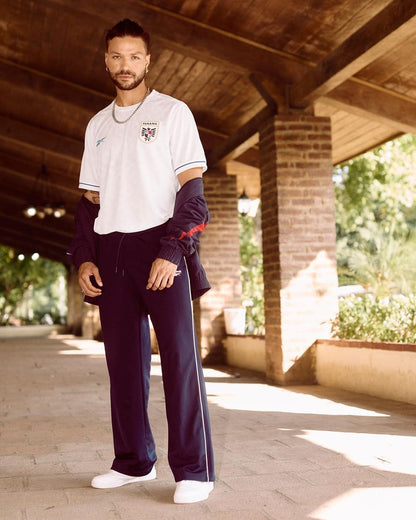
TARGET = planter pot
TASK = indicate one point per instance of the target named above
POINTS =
(235, 320)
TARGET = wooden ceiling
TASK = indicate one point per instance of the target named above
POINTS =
(234, 63)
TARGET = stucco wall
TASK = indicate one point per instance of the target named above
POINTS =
(246, 352)
(386, 370)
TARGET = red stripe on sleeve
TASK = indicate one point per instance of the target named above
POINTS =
(199, 227)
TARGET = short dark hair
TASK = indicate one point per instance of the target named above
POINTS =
(128, 28)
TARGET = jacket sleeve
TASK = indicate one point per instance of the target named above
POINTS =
(82, 248)
(190, 218)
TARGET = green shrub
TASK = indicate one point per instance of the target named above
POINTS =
(376, 319)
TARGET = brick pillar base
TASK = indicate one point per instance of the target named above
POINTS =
(298, 227)
(220, 254)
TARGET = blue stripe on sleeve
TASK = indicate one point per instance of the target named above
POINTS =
(82, 184)
(202, 163)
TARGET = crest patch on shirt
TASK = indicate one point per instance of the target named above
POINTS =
(148, 131)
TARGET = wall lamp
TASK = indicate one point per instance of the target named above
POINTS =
(247, 206)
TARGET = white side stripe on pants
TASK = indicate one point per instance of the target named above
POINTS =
(197, 375)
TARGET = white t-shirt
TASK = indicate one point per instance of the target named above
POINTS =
(135, 165)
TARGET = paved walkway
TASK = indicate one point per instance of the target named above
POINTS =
(293, 453)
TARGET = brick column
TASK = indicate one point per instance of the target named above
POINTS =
(83, 319)
(74, 303)
(298, 227)
(220, 254)
(91, 323)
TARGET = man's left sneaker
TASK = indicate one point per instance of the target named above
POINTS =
(190, 491)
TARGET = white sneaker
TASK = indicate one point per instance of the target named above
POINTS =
(114, 479)
(189, 491)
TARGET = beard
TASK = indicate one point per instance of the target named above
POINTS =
(134, 82)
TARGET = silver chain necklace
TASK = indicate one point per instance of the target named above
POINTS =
(134, 111)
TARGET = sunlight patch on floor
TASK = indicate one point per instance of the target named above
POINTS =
(265, 398)
(385, 452)
(83, 347)
(209, 373)
(370, 503)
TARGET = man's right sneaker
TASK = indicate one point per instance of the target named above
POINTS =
(114, 479)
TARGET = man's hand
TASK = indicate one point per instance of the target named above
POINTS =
(86, 270)
(92, 196)
(161, 275)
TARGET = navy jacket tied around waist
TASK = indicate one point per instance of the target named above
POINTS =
(190, 217)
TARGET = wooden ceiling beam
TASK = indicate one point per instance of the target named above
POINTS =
(90, 99)
(50, 86)
(353, 96)
(390, 27)
(32, 240)
(26, 171)
(377, 104)
(40, 139)
(193, 38)
(65, 91)
(237, 143)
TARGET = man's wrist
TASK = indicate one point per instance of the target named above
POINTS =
(81, 256)
(172, 254)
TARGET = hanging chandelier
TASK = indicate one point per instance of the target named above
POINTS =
(42, 201)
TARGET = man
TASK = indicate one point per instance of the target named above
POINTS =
(135, 252)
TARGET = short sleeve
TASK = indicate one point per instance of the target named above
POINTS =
(88, 179)
(185, 145)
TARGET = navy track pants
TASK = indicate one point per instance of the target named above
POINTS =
(124, 261)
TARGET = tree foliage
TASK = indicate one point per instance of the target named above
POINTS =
(376, 216)
(18, 274)
(252, 275)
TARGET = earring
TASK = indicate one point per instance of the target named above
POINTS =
(106, 69)
(147, 70)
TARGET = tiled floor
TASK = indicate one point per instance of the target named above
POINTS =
(292, 453)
